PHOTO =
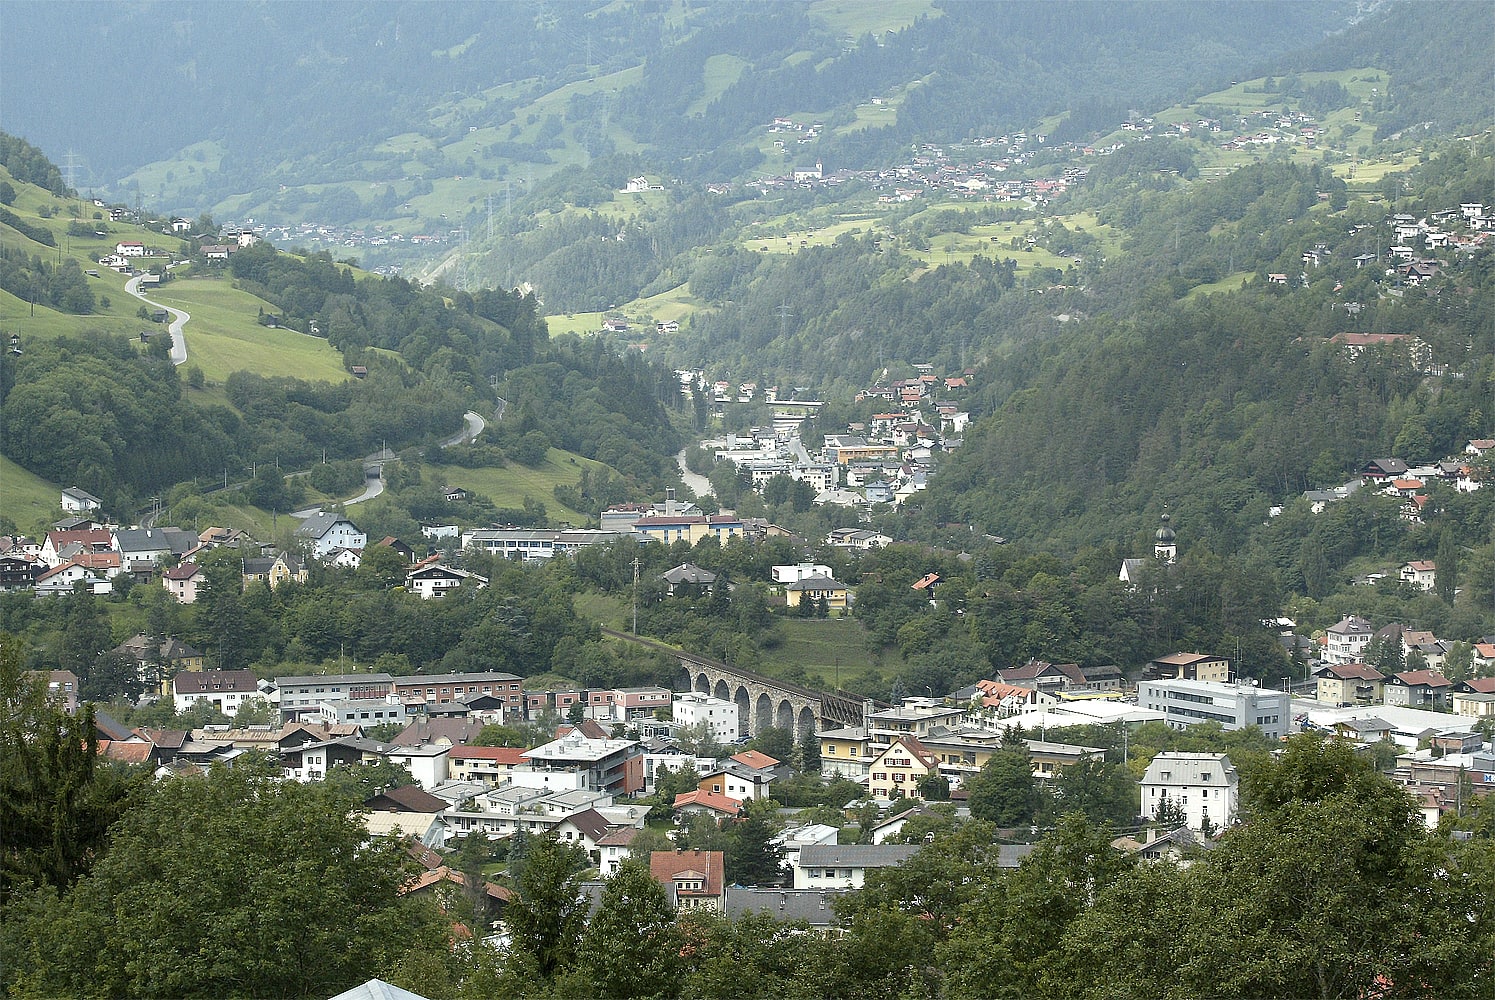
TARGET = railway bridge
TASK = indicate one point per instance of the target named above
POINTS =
(762, 701)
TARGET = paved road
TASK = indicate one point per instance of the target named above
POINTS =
(178, 320)
(473, 425)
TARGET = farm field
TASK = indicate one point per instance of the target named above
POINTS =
(27, 499)
(508, 486)
(224, 335)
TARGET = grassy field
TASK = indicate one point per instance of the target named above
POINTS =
(224, 335)
(613, 612)
(831, 648)
(508, 486)
(854, 18)
(28, 500)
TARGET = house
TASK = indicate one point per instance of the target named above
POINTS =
(1422, 574)
(815, 907)
(490, 765)
(627, 704)
(796, 573)
(183, 582)
(689, 580)
(18, 572)
(837, 596)
(304, 693)
(405, 799)
(78, 501)
(613, 849)
(1348, 684)
(862, 539)
(845, 752)
(62, 545)
(689, 528)
(325, 533)
(1418, 688)
(1203, 786)
(448, 730)
(130, 248)
(694, 879)
(714, 804)
(1383, 470)
(436, 581)
(62, 688)
(896, 771)
(1345, 640)
(152, 545)
(845, 866)
(737, 781)
(225, 690)
(1189, 666)
(428, 764)
(158, 659)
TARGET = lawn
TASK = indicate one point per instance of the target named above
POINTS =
(26, 499)
(834, 649)
(508, 486)
(224, 335)
(605, 609)
(855, 18)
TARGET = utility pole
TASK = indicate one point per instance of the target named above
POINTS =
(635, 595)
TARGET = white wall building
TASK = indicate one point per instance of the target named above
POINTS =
(1234, 706)
(1204, 786)
(694, 708)
(1345, 641)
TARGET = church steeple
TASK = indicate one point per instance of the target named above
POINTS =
(1165, 542)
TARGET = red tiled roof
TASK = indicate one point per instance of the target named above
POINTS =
(665, 866)
(125, 753)
(1429, 678)
(499, 755)
(755, 759)
(708, 800)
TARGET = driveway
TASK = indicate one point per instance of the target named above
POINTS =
(178, 320)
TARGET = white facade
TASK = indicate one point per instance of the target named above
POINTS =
(1345, 641)
(1234, 706)
(802, 571)
(429, 765)
(1204, 786)
(693, 708)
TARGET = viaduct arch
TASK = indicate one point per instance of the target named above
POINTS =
(762, 701)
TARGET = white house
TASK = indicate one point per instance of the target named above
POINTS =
(326, 532)
(1204, 786)
(182, 582)
(130, 248)
(1345, 640)
(76, 501)
(802, 571)
(693, 709)
(430, 582)
(427, 764)
(225, 690)
(845, 866)
(1422, 574)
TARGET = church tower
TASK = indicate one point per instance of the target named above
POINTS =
(1165, 542)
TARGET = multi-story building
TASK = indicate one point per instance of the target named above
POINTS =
(1345, 640)
(225, 690)
(1234, 706)
(1348, 684)
(614, 766)
(720, 716)
(1204, 786)
(430, 689)
(304, 694)
(845, 751)
(1190, 667)
(627, 704)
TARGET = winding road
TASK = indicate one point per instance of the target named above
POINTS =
(178, 320)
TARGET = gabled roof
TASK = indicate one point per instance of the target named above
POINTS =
(1421, 678)
(319, 524)
(665, 866)
(755, 759)
(856, 855)
(126, 753)
(459, 731)
(590, 822)
(707, 800)
(203, 682)
(1350, 672)
(816, 583)
(688, 573)
(589, 728)
(406, 798)
(917, 750)
(620, 837)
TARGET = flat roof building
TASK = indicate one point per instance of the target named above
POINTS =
(1235, 706)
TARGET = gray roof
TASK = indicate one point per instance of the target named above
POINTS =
(856, 855)
(141, 540)
(814, 906)
(378, 989)
(688, 573)
(319, 524)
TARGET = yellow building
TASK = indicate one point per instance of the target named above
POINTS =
(845, 752)
(1349, 684)
(898, 769)
(691, 529)
(813, 588)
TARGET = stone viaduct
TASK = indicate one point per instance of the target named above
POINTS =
(762, 701)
